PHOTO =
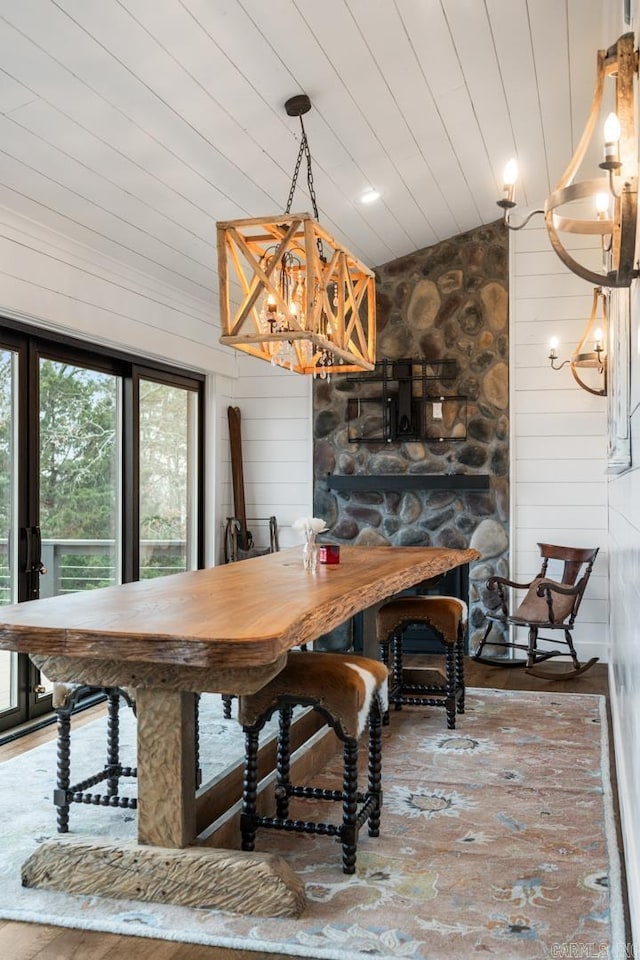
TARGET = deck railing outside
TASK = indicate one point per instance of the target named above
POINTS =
(74, 565)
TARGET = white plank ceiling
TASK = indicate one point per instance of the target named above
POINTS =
(133, 125)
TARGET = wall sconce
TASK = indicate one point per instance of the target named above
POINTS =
(591, 352)
(302, 300)
(616, 228)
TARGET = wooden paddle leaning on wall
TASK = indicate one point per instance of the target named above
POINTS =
(245, 540)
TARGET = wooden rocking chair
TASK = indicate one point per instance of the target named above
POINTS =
(548, 605)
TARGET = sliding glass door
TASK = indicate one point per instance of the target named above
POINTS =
(80, 491)
(100, 483)
(168, 443)
(9, 681)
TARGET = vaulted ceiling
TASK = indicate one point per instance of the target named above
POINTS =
(133, 125)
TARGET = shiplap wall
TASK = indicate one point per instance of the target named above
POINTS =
(624, 669)
(277, 445)
(623, 495)
(559, 431)
(63, 285)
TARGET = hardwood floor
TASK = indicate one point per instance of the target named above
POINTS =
(30, 941)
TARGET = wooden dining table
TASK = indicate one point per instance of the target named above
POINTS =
(225, 629)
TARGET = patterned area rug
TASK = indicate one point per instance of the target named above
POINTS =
(497, 838)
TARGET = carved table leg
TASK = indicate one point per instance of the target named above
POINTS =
(162, 867)
(166, 767)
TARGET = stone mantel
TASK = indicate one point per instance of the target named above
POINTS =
(401, 482)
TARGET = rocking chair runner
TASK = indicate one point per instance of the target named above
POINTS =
(548, 605)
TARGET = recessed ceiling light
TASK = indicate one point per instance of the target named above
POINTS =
(369, 196)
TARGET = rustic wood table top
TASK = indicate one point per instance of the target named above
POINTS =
(247, 613)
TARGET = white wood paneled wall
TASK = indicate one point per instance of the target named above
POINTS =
(63, 285)
(277, 444)
(559, 431)
(624, 665)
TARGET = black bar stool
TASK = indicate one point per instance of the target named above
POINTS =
(65, 699)
(447, 617)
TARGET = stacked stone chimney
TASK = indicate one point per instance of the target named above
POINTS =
(446, 302)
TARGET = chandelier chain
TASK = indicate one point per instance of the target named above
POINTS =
(306, 152)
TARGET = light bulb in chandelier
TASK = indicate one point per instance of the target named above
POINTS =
(611, 142)
(509, 179)
(598, 340)
(284, 312)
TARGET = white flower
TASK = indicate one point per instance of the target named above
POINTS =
(309, 525)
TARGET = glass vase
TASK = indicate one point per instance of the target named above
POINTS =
(310, 553)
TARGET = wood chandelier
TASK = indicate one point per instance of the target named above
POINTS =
(614, 196)
(290, 293)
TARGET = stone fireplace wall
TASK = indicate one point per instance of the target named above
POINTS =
(446, 302)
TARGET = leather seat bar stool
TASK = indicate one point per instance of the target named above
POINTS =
(350, 692)
(447, 618)
(65, 698)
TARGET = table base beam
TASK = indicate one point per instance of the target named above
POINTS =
(260, 885)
